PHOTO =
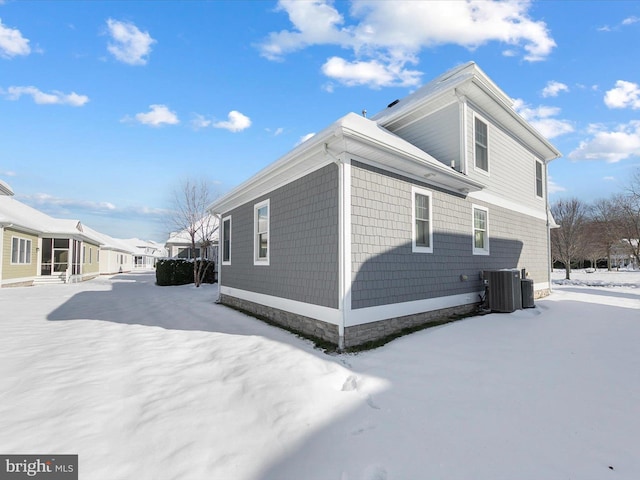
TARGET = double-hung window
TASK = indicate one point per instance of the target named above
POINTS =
(539, 181)
(422, 232)
(261, 233)
(480, 231)
(20, 250)
(226, 241)
(481, 145)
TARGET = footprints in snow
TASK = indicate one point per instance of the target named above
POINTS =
(351, 384)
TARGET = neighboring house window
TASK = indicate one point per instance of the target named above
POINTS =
(84, 254)
(539, 191)
(226, 241)
(261, 233)
(480, 231)
(20, 250)
(481, 145)
(422, 229)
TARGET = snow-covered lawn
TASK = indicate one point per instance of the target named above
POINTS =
(147, 382)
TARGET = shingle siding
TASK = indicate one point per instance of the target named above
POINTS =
(438, 134)
(386, 271)
(512, 167)
(303, 242)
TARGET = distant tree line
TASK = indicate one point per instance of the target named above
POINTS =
(604, 230)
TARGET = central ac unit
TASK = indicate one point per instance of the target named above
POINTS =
(505, 290)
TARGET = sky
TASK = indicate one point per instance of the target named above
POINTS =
(108, 107)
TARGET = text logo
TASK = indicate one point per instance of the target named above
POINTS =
(49, 467)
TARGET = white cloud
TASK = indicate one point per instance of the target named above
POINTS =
(306, 137)
(236, 122)
(157, 116)
(71, 206)
(630, 20)
(625, 94)
(553, 88)
(12, 43)
(611, 146)
(129, 44)
(278, 131)
(609, 179)
(553, 187)
(388, 35)
(8, 173)
(372, 73)
(200, 121)
(541, 118)
(42, 98)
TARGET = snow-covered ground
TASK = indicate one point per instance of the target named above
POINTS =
(147, 382)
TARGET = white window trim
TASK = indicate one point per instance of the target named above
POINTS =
(485, 250)
(475, 167)
(416, 248)
(226, 262)
(28, 244)
(256, 246)
(535, 176)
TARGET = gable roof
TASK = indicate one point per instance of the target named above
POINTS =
(21, 216)
(354, 136)
(468, 81)
(183, 237)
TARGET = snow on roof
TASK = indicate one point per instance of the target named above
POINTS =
(5, 188)
(18, 214)
(183, 236)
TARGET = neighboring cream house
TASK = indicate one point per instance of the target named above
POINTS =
(179, 243)
(38, 248)
(145, 252)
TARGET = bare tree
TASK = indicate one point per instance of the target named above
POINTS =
(629, 207)
(605, 228)
(568, 241)
(191, 217)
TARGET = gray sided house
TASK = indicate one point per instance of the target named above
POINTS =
(376, 224)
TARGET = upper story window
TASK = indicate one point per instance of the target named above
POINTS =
(226, 241)
(539, 182)
(422, 226)
(261, 233)
(481, 145)
(20, 250)
(480, 231)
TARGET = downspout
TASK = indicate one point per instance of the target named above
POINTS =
(343, 303)
(547, 211)
(1, 250)
(219, 218)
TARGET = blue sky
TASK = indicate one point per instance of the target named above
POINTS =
(106, 107)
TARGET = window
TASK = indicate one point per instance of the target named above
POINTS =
(226, 241)
(261, 233)
(20, 250)
(482, 145)
(539, 191)
(480, 231)
(422, 231)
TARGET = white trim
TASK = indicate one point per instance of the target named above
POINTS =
(318, 312)
(535, 176)
(30, 243)
(256, 246)
(224, 219)
(541, 286)
(493, 199)
(346, 264)
(464, 157)
(477, 116)
(365, 315)
(426, 193)
(486, 249)
(2, 250)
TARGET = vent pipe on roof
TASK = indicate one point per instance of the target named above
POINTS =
(364, 113)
